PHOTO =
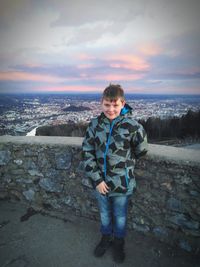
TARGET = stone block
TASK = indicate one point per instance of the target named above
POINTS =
(35, 173)
(29, 152)
(174, 204)
(5, 156)
(29, 164)
(50, 185)
(29, 194)
(17, 172)
(141, 228)
(185, 245)
(160, 232)
(18, 162)
(184, 222)
(43, 162)
(63, 161)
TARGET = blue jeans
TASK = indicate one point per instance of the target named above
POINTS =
(113, 214)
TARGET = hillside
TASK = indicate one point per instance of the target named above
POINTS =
(76, 108)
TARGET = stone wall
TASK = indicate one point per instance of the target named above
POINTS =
(47, 173)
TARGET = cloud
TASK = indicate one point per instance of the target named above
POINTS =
(179, 76)
(77, 12)
(179, 58)
(92, 33)
(129, 62)
(150, 49)
(86, 67)
(138, 43)
(24, 76)
(69, 88)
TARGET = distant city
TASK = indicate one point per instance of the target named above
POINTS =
(21, 114)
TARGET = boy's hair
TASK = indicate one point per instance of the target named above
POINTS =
(113, 92)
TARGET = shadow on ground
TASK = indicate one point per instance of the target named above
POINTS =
(28, 238)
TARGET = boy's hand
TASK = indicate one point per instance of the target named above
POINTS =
(102, 188)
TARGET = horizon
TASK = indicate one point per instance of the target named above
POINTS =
(81, 46)
(93, 93)
(99, 94)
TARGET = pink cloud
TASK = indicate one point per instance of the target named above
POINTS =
(71, 88)
(129, 61)
(150, 49)
(85, 66)
(24, 76)
(119, 77)
(84, 56)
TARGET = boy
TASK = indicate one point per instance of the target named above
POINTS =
(112, 142)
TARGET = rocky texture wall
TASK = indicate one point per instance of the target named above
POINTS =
(47, 173)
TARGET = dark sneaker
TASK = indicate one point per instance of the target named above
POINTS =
(118, 250)
(103, 245)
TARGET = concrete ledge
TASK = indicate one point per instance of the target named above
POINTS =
(50, 140)
(182, 155)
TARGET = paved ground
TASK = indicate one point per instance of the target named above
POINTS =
(39, 241)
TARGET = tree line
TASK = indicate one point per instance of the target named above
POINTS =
(180, 128)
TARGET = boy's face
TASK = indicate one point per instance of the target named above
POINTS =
(112, 109)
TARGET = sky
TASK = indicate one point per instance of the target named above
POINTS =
(148, 47)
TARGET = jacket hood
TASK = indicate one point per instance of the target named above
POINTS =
(126, 109)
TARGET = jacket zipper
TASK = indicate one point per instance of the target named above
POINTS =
(107, 147)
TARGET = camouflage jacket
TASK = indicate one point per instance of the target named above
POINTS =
(110, 150)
